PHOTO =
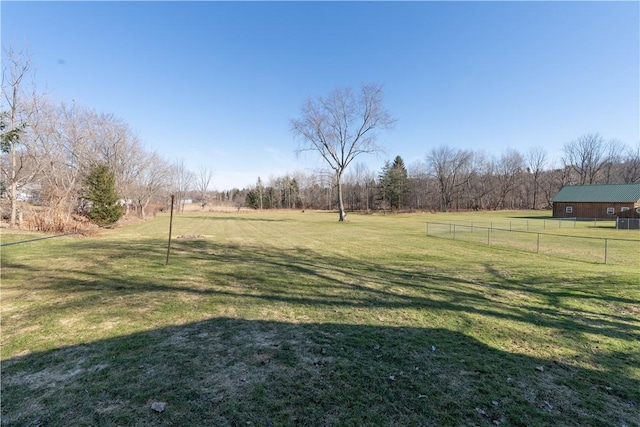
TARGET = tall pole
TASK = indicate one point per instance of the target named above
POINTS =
(170, 227)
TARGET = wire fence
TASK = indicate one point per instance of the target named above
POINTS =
(53, 236)
(521, 236)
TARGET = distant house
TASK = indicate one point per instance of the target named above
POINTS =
(602, 201)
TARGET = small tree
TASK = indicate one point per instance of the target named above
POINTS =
(105, 207)
(251, 199)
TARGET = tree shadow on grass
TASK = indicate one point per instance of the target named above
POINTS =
(228, 372)
(306, 278)
(303, 277)
(238, 372)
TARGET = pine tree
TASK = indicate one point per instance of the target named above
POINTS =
(393, 183)
(251, 199)
(101, 192)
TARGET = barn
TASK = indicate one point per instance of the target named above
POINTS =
(602, 201)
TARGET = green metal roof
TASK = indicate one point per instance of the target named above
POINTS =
(612, 193)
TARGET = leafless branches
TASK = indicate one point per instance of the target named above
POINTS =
(342, 126)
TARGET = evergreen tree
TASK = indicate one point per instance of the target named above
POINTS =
(101, 192)
(392, 183)
(251, 199)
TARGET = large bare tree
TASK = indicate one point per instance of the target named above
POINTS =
(342, 126)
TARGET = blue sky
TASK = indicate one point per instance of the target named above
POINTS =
(216, 83)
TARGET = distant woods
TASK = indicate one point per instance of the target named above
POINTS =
(450, 179)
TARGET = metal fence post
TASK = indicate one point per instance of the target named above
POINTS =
(538, 244)
(170, 227)
(606, 250)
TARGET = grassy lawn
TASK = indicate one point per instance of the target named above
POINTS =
(268, 319)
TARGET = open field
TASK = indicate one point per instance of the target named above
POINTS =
(268, 319)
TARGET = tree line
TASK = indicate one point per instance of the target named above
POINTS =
(450, 179)
(50, 149)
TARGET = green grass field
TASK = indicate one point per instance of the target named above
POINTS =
(271, 319)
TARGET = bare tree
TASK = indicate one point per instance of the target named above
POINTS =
(365, 180)
(154, 175)
(481, 183)
(112, 142)
(260, 190)
(508, 174)
(61, 141)
(452, 170)
(536, 160)
(342, 126)
(631, 165)
(183, 179)
(202, 181)
(588, 155)
(18, 66)
(421, 186)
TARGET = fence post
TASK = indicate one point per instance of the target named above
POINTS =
(170, 227)
(538, 244)
(606, 250)
(488, 237)
(454, 232)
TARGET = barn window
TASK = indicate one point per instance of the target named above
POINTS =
(611, 211)
(624, 208)
(568, 209)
